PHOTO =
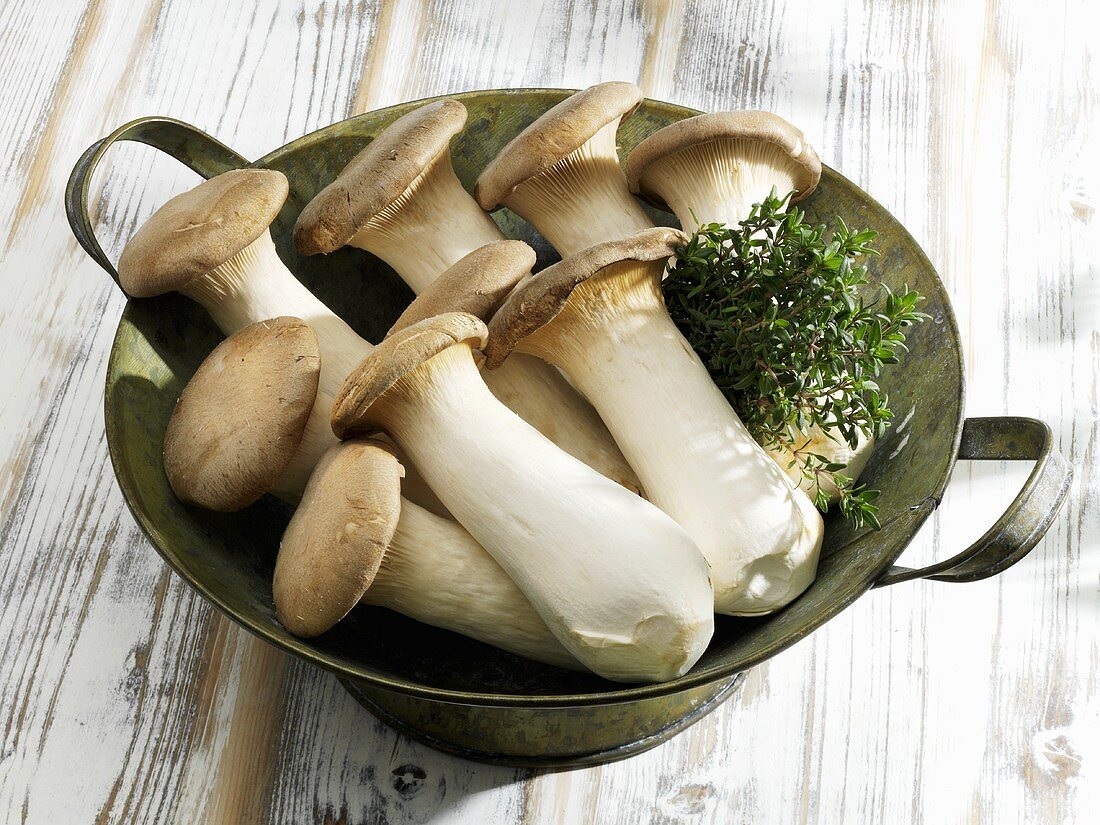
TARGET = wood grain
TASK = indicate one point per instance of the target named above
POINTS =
(125, 698)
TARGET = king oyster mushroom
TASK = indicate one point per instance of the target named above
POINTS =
(600, 317)
(618, 582)
(241, 417)
(235, 429)
(400, 199)
(353, 540)
(562, 172)
(212, 244)
(712, 169)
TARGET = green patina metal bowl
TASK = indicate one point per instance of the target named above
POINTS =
(454, 693)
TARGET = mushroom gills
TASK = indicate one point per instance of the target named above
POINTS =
(429, 227)
(582, 199)
(719, 180)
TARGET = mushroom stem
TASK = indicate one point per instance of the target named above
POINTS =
(429, 227)
(459, 587)
(698, 462)
(254, 285)
(617, 581)
(582, 199)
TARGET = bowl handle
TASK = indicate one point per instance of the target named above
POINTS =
(1028, 517)
(190, 146)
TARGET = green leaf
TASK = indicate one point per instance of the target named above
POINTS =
(777, 310)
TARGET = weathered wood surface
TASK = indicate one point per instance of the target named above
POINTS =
(125, 698)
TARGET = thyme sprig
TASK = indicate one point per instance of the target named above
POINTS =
(773, 308)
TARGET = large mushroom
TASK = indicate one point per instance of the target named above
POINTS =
(600, 317)
(239, 421)
(618, 582)
(353, 540)
(712, 169)
(562, 172)
(400, 199)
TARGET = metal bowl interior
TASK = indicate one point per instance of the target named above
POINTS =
(230, 558)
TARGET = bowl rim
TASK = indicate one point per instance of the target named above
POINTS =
(694, 679)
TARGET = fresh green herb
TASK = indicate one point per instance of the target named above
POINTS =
(773, 308)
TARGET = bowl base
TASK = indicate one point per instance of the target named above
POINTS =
(551, 738)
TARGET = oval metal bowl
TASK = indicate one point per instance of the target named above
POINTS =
(459, 695)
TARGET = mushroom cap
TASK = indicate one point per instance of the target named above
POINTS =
(540, 300)
(242, 414)
(477, 284)
(377, 176)
(393, 359)
(557, 132)
(743, 125)
(199, 230)
(338, 536)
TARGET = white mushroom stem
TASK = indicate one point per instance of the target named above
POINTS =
(832, 445)
(435, 572)
(718, 181)
(696, 459)
(255, 285)
(581, 200)
(429, 227)
(618, 582)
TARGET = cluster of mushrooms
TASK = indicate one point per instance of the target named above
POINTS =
(540, 462)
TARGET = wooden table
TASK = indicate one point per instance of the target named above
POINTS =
(126, 698)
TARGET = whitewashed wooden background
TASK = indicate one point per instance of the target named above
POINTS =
(125, 698)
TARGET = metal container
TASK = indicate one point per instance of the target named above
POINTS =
(453, 693)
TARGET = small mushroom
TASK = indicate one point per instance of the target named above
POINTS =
(212, 244)
(617, 581)
(400, 199)
(241, 417)
(600, 317)
(562, 172)
(353, 539)
(712, 168)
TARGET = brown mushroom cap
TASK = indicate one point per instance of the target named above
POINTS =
(542, 298)
(393, 359)
(334, 544)
(377, 176)
(477, 284)
(199, 230)
(559, 131)
(242, 414)
(743, 125)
